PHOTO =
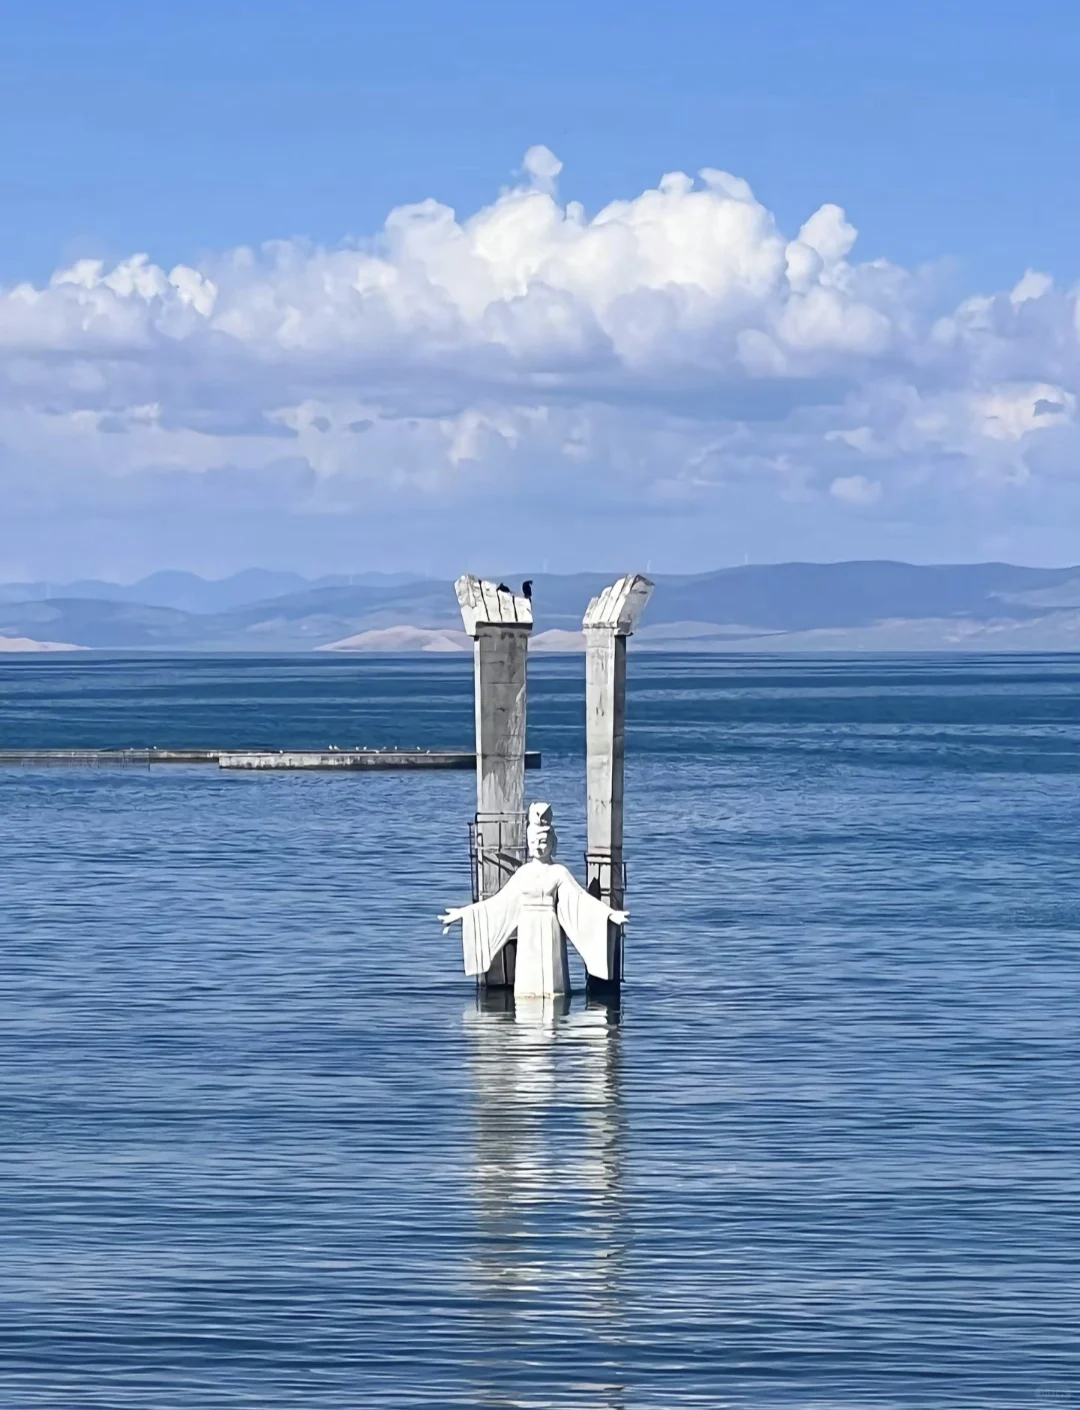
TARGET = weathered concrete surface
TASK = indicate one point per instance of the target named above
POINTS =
(499, 623)
(91, 758)
(610, 618)
(251, 759)
(619, 607)
(605, 756)
(485, 604)
(360, 759)
(500, 657)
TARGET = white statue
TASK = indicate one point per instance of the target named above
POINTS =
(547, 907)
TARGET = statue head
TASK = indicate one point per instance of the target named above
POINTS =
(540, 833)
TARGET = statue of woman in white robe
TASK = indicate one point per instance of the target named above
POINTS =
(547, 907)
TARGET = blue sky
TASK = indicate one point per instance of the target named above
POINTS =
(516, 375)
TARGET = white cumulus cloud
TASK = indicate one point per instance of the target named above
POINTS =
(665, 346)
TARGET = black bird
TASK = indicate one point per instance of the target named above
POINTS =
(503, 588)
(526, 588)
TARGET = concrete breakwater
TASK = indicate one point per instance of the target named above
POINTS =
(311, 759)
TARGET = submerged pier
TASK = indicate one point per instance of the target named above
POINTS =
(339, 760)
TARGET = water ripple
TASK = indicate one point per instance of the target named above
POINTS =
(262, 1146)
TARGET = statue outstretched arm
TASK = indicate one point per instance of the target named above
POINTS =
(585, 921)
(485, 927)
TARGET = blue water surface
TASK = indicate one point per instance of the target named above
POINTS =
(262, 1147)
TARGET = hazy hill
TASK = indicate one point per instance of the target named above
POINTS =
(87, 622)
(787, 606)
(187, 592)
(802, 596)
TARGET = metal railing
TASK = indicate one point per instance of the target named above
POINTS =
(606, 878)
(496, 850)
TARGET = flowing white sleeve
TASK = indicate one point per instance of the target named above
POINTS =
(584, 921)
(486, 926)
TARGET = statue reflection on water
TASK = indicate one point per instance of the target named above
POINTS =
(547, 1149)
(547, 1258)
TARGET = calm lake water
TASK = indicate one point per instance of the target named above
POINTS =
(260, 1147)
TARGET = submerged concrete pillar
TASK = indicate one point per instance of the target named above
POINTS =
(610, 619)
(499, 623)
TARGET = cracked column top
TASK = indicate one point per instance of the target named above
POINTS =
(490, 604)
(619, 607)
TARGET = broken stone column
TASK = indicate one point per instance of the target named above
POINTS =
(610, 619)
(499, 623)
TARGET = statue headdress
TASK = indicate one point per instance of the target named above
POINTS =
(540, 817)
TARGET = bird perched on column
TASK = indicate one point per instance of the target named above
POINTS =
(526, 589)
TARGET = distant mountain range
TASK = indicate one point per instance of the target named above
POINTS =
(187, 592)
(868, 606)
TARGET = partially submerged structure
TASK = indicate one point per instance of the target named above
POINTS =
(543, 906)
(609, 620)
(499, 622)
